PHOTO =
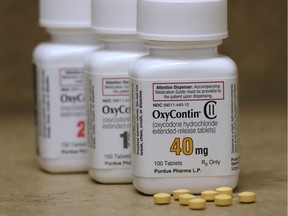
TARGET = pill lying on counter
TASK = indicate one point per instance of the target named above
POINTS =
(184, 198)
(178, 192)
(209, 195)
(225, 190)
(221, 197)
(247, 197)
(223, 200)
(197, 203)
(162, 198)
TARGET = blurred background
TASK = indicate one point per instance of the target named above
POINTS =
(257, 43)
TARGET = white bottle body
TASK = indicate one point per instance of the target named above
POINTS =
(60, 100)
(162, 142)
(109, 109)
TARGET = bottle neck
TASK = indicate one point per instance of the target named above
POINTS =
(201, 49)
(73, 36)
(122, 43)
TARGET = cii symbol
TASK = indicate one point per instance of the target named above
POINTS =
(209, 109)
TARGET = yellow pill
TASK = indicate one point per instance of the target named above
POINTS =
(225, 190)
(178, 192)
(162, 198)
(184, 198)
(247, 197)
(197, 203)
(209, 195)
(223, 200)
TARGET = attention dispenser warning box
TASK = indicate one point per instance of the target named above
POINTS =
(188, 91)
(115, 87)
(71, 77)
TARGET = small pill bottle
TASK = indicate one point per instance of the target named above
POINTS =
(184, 99)
(106, 72)
(60, 89)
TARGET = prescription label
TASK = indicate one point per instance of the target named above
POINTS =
(108, 121)
(61, 112)
(185, 128)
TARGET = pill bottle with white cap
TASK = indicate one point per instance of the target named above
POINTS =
(114, 22)
(184, 99)
(60, 89)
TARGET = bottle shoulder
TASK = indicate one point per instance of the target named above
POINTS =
(148, 67)
(103, 60)
(52, 53)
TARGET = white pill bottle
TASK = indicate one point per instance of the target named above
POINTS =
(114, 21)
(60, 89)
(184, 99)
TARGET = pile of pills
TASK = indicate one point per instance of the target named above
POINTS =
(222, 196)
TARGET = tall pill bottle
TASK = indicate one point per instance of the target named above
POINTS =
(60, 89)
(114, 21)
(184, 99)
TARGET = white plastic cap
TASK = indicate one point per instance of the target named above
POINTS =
(182, 20)
(114, 16)
(65, 13)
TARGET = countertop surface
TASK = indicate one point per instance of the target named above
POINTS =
(26, 190)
